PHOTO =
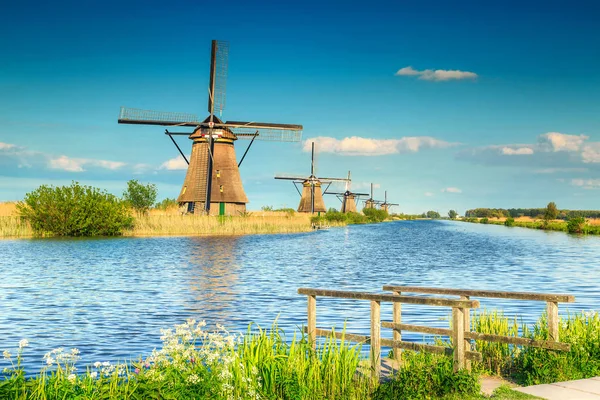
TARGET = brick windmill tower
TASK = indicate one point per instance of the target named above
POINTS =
(347, 197)
(385, 205)
(311, 197)
(212, 183)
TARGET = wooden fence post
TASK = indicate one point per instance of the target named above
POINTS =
(312, 321)
(458, 337)
(552, 311)
(375, 340)
(397, 335)
(467, 319)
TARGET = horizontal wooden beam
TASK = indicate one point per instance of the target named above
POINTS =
(390, 298)
(561, 298)
(544, 344)
(417, 328)
(339, 335)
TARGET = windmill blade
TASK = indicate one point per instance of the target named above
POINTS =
(336, 193)
(150, 117)
(291, 177)
(219, 59)
(267, 134)
(262, 125)
(359, 194)
(333, 179)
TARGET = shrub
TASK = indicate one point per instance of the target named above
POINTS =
(426, 376)
(484, 221)
(576, 225)
(74, 211)
(510, 221)
(166, 204)
(140, 197)
(375, 215)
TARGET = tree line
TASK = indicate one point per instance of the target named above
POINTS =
(538, 213)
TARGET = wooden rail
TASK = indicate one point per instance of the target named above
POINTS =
(460, 331)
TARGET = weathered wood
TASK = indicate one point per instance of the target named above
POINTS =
(397, 334)
(560, 298)
(350, 337)
(471, 355)
(375, 340)
(312, 320)
(390, 298)
(553, 321)
(416, 328)
(544, 344)
(458, 337)
(467, 323)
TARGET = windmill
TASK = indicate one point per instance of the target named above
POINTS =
(311, 197)
(347, 197)
(385, 205)
(371, 202)
(213, 176)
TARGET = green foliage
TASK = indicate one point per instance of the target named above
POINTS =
(529, 212)
(576, 225)
(551, 211)
(452, 214)
(433, 214)
(140, 197)
(497, 357)
(167, 203)
(267, 208)
(484, 221)
(428, 376)
(290, 211)
(375, 214)
(74, 210)
(510, 221)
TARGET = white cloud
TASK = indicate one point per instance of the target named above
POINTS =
(436, 75)
(76, 164)
(591, 153)
(556, 170)
(557, 141)
(359, 146)
(451, 190)
(428, 194)
(510, 151)
(177, 163)
(586, 183)
(6, 146)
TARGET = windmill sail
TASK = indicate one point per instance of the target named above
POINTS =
(218, 77)
(150, 117)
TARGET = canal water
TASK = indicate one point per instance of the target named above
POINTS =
(110, 297)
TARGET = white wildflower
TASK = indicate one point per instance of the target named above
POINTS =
(23, 343)
(75, 351)
(97, 364)
(106, 363)
(49, 360)
(94, 375)
(6, 354)
(193, 379)
(72, 378)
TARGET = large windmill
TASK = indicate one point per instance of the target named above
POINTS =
(385, 205)
(371, 202)
(347, 197)
(213, 176)
(311, 197)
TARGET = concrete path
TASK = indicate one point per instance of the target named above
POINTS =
(582, 389)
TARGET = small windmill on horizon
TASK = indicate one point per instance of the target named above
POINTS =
(371, 202)
(385, 205)
(212, 183)
(347, 197)
(311, 197)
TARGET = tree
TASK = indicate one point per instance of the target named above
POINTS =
(452, 214)
(551, 211)
(140, 197)
(433, 214)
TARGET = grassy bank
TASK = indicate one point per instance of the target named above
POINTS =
(196, 363)
(587, 226)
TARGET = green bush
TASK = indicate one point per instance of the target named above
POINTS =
(74, 210)
(140, 197)
(375, 215)
(166, 204)
(510, 221)
(484, 220)
(428, 376)
(576, 225)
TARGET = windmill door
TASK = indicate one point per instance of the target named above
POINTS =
(221, 208)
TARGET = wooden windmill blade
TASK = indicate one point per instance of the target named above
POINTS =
(219, 59)
(151, 117)
(268, 134)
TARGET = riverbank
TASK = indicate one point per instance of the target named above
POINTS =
(589, 227)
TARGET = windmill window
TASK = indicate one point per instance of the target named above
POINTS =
(218, 173)
(183, 190)
(221, 188)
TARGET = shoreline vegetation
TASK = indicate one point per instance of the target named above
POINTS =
(263, 364)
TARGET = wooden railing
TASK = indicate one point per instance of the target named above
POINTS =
(460, 331)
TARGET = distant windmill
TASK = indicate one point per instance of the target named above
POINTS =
(347, 197)
(371, 202)
(213, 176)
(385, 205)
(311, 197)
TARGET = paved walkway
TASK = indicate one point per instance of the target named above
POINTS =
(582, 389)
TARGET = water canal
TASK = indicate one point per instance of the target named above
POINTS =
(110, 297)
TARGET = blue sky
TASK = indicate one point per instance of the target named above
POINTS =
(442, 104)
